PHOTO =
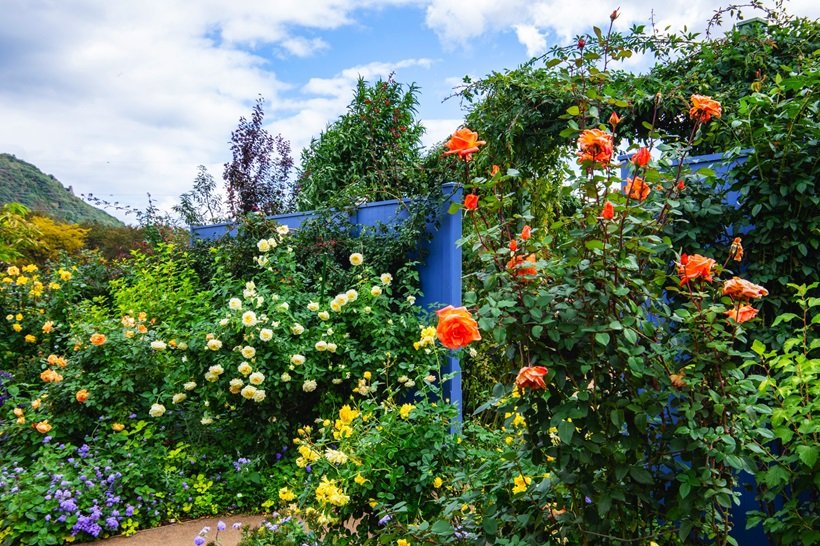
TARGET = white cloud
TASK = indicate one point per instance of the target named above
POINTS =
(532, 39)
(438, 130)
(123, 98)
(457, 26)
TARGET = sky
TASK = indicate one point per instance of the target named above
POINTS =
(120, 98)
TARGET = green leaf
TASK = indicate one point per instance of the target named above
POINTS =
(565, 431)
(594, 245)
(573, 110)
(631, 336)
(807, 454)
(684, 490)
(442, 527)
(490, 526)
(602, 338)
(641, 475)
(454, 208)
(758, 347)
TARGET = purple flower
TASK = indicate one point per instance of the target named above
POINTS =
(47, 439)
(199, 541)
(237, 525)
(220, 526)
(384, 520)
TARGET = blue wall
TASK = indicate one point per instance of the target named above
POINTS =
(440, 274)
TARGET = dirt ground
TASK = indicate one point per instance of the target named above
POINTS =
(183, 534)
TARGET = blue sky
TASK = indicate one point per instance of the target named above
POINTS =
(120, 98)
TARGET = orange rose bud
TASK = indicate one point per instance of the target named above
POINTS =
(614, 119)
(526, 233)
(521, 266)
(704, 108)
(465, 143)
(609, 211)
(695, 267)
(513, 246)
(471, 201)
(117, 427)
(637, 189)
(531, 377)
(737, 289)
(81, 396)
(42, 427)
(456, 327)
(736, 250)
(614, 15)
(742, 313)
(98, 339)
(641, 157)
(681, 185)
(494, 171)
(677, 380)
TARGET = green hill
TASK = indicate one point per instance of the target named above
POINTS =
(24, 183)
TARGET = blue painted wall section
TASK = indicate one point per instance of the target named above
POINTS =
(440, 274)
(722, 164)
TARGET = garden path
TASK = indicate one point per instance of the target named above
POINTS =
(183, 534)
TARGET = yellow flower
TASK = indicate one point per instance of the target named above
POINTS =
(437, 482)
(244, 368)
(12, 271)
(328, 492)
(324, 315)
(30, 268)
(286, 494)
(402, 542)
(405, 410)
(30, 338)
(347, 415)
(521, 482)
(356, 259)
(16, 327)
(48, 327)
(18, 317)
(519, 420)
(64, 275)
(248, 352)
(367, 375)
(117, 427)
(21, 280)
(54, 286)
(359, 479)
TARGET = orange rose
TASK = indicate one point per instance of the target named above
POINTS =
(456, 327)
(742, 313)
(513, 245)
(142, 329)
(609, 211)
(465, 143)
(43, 427)
(636, 188)
(81, 396)
(48, 327)
(677, 380)
(614, 119)
(471, 201)
(641, 157)
(703, 108)
(50, 376)
(531, 377)
(596, 146)
(36, 403)
(695, 266)
(526, 233)
(98, 339)
(117, 427)
(495, 170)
(737, 288)
(518, 268)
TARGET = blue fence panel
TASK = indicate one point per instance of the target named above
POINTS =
(440, 274)
(722, 164)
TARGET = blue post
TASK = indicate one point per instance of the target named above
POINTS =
(441, 280)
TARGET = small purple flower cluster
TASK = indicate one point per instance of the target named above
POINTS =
(240, 462)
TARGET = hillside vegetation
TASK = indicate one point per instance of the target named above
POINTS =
(24, 183)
